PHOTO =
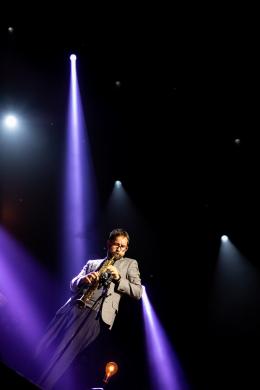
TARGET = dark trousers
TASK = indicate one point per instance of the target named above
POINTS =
(67, 336)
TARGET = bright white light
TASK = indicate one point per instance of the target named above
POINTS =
(10, 122)
(73, 57)
(224, 238)
(118, 183)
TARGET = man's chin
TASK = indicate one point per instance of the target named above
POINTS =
(116, 256)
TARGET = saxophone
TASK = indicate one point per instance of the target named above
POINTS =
(86, 296)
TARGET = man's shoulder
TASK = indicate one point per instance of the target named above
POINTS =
(129, 258)
(93, 262)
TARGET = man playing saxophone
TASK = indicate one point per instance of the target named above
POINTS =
(92, 308)
(96, 280)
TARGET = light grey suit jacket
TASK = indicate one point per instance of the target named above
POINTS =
(129, 284)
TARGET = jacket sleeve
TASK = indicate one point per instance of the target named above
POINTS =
(131, 283)
(74, 284)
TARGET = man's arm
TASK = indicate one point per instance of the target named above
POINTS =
(131, 284)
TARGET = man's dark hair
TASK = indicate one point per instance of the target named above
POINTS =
(118, 232)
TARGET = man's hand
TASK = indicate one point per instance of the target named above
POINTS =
(114, 272)
(90, 278)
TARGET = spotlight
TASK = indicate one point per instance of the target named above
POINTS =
(73, 57)
(10, 122)
(111, 369)
(224, 238)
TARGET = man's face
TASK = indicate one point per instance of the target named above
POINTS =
(118, 246)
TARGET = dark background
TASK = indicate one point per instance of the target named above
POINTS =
(171, 142)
